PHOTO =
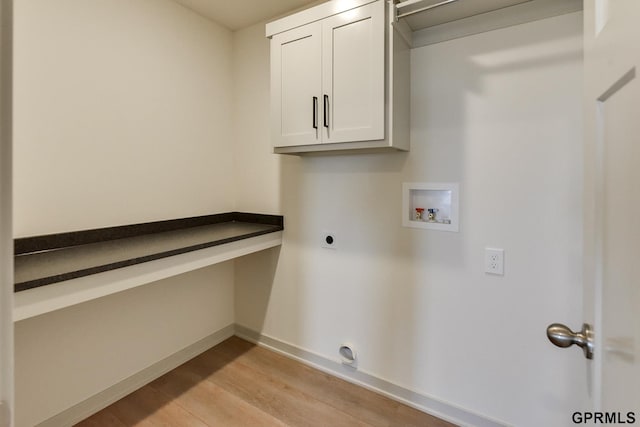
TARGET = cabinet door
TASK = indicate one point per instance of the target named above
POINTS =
(296, 66)
(353, 75)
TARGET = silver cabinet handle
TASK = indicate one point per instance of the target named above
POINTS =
(562, 336)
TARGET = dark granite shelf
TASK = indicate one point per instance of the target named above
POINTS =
(44, 260)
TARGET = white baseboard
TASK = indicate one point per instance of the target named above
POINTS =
(99, 401)
(430, 405)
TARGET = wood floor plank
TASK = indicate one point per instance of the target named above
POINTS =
(361, 403)
(240, 384)
(148, 407)
(271, 395)
(104, 418)
(370, 407)
(413, 418)
(214, 405)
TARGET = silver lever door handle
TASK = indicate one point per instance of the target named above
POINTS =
(562, 336)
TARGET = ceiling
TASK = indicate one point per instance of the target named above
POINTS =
(237, 14)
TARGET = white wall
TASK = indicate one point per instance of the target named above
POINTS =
(122, 115)
(255, 166)
(497, 112)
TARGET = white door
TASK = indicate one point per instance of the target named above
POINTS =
(296, 67)
(6, 234)
(612, 208)
(353, 75)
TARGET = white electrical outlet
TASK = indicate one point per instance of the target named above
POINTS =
(494, 261)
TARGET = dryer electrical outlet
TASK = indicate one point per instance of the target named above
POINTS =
(329, 240)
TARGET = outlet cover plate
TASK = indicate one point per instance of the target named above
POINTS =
(494, 261)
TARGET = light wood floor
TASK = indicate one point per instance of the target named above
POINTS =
(239, 384)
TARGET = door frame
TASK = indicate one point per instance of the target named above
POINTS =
(607, 71)
(6, 224)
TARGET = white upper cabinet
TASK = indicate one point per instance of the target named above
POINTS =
(296, 86)
(353, 75)
(332, 83)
